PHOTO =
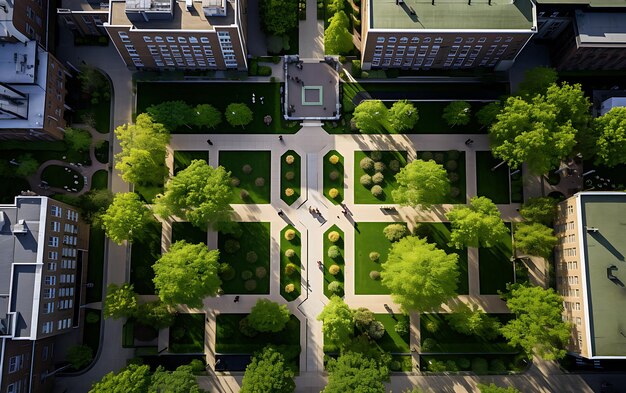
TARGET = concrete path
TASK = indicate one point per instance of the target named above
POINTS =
(311, 34)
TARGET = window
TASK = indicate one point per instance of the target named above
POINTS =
(427, 40)
(415, 40)
(44, 353)
(147, 38)
(458, 40)
(52, 266)
(470, 40)
(482, 39)
(508, 39)
(438, 40)
(123, 36)
(48, 293)
(55, 226)
(15, 387)
(380, 40)
(53, 255)
(182, 40)
(170, 39)
(53, 241)
(50, 280)
(404, 40)
(15, 363)
(47, 327)
(453, 50)
(48, 308)
(158, 39)
(56, 211)
(497, 39)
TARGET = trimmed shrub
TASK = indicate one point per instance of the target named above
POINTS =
(334, 236)
(453, 177)
(394, 165)
(367, 164)
(290, 269)
(377, 191)
(333, 193)
(247, 169)
(334, 175)
(259, 181)
(228, 273)
(439, 158)
(378, 178)
(231, 246)
(395, 232)
(92, 317)
(454, 154)
(375, 275)
(289, 288)
(289, 192)
(234, 181)
(246, 329)
(334, 269)
(463, 363)
(290, 175)
(334, 159)
(380, 166)
(335, 287)
(454, 192)
(436, 366)
(290, 253)
(429, 344)
(451, 165)
(290, 234)
(403, 328)
(427, 155)
(395, 365)
(197, 366)
(497, 366)
(451, 366)
(376, 155)
(333, 252)
(250, 285)
(374, 256)
(243, 194)
(290, 159)
(376, 330)
(260, 272)
(479, 366)
(246, 275)
(251, 256)
(432, 325)
(366, 181)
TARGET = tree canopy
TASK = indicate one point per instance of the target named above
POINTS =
(473, 321)
(419, 276)
(535, 239)
(199, 193)
(268, 316)
(206, 116)
(279, 16)
(355, 372)
(156, 314)
(541, 210)
(488, 113)
(172, 114)
(125, 218)
(370, 116)
(142, 159)
(337, 38)
(457, 112)
(267, 372)
(79, 356)
(27, 165)
(181, 380)
(132, 379)
(338, 322)
(477, 224)
(238, 114)
(611, 137)
(421, 183)
(120, 301)
(77, 139)
(538, 326)
(93, 204)
(94, 83)
(536, 81)
(402, 116)
(186, 274)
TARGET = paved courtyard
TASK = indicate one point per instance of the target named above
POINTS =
(312, 89)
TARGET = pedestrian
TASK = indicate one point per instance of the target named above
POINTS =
(317, 210)
(280, 212)
(344, 212)
(209, 142)
(280, 138)
(236, 299)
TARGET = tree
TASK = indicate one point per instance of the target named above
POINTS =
(238, 114)
(279, 16)
(402, 116)
(493, 388)
(534, 239)
(488, 113)
(95, 84)
(536, 81)
(477, 224)
(370, 116)
(181, 380)
(186, 274)
(363, 318)
(457, 112)
(93, 204)
(338, 322)
(336, 6)
(419, 276)
(267, 372)
(268, 316)
(538, 326)
(207, 116)
(199, 193)
(421, 183)
(611, 140)
(125, 218)
(27, 165)
(79, 356)
(77, 139)
(473, 321)
(120, 301)
(142, 159)
(172, 114)
(355, 372)
(156, 314)
(132, 379)
(541, 210)
(337, 38)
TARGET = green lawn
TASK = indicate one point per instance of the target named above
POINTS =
(100, 180)
(260, 161)
(186, 231)
(42, 151)
(392, 341)
(144, 254)
(495, 266)
(187, 333)
(58, 176)
(255, 236)
(296, 277)
(368, 237)
(101, 152)
(363, 194)
(454, 163)
(492, 184)
(328, 262)
(439, 233)
(295, 183)
(328, 182)
(182, 158)
(95, 264)
(220, 96)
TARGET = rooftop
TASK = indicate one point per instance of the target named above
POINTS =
(590, 3)
(601, 28)
(85, 5)
(604, 250)
(17, 62)
(452, 14)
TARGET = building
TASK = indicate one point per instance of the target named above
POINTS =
(43, 262)
(174, 34)
(24, 20)
(591, 272)
(84, 17)
(437, 34)
(32, 92)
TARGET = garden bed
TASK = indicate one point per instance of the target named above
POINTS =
(101, 152)
(392, 341)
(183, 158)
(290, 177)
(338, 261)
(144, 253)
(251, 175)
(480, 364)
(495, 184)
(454, 163)
(368, 237)
(58, 176)
(290, 284)
(100, 180)
(186, 231)
(495, 266)
(391, 162)
(187, 333)
(333, 177)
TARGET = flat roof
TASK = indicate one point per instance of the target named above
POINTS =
(590, 3)
(17, 62)
(601, 28)
(452, 14)
(84, 5)
(603, 249)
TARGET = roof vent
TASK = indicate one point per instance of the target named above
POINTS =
(592, 229)
(20, 227)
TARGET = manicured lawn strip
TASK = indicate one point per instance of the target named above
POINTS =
(439, 233)
(42, 151)
(234, 161)
(513, 362)
(144, 253)
(58, 176)
(296, 277)
(101, 151)
(102, 113)
(368, 237)
(100, 180)
(338, 184)
(91, 332)
(449, 340)
(220, 96)
(442, 157)
(495, 266)
(492, 184)
(255, 237)
(328, 262)
(183, 158)
(392, 341)
(363, 194)
(294, 184)
(187, 333)
(95, 264)
(186, 231)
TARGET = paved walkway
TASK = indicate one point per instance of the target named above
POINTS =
(311, 34)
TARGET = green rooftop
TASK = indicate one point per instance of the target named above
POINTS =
(591, 3)
(451, 14)
(603, 249)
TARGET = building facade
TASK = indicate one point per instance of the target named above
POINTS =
(591, 272)
(43, 244)
(422, 35)
(24, 20)
(84, 17)
(172, 34)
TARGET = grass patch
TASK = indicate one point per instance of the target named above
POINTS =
(368, 237)
(363, 194)
(101, 152)
(144, 254)
(255, 236)
(328, 262)
(42, 151)
(235, 162)
(512, 362)
(294, 184)
(392, 341)
(495, 266)
(454, 163)
(58, 176)
(182, 230)
(100, 180)
(182, 158)
(96, 264)
(295, 278)
(338, 182)
(187, 333)
(492, 184)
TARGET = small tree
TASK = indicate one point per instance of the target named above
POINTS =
(363, 318)
(172, 114)
(268, 316)
(338, 322)
(541, 210)
(421, 183)
(355, 372)
(611, 143)
(120, 301)
(457, 112)
(488, 113)
(278, 16)
(77, 139)
(478, 224)
(27, 165)
(395, 232)
(402, 116)
(536, 81)
(370, 116)
(93, 204)
(125, 218)
(156, 314)
(535, 239)
(95, 84)
(267, 372)
(238, 114)
(180, 380)
(79, 356)
(206, 116)
(132, 379)
(337, 38)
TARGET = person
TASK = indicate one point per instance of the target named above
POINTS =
(280, 212)
(280, 137)
(236, 299)
(209, 142)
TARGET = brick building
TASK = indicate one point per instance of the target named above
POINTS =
(43, 264)
(84, 17)
(24, 20)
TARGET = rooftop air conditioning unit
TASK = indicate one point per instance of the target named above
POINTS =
(20, 227)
